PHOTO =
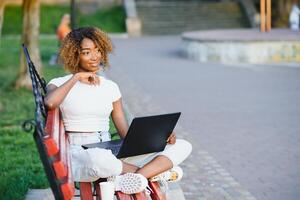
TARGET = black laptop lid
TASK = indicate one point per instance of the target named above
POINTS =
(148, 134)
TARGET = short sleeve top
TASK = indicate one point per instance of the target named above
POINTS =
(87, 108)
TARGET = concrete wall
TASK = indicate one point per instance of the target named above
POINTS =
(243, 52)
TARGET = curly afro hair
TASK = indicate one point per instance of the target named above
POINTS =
(70, 47)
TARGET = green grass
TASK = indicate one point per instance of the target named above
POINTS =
(110, 20)
(20, 165)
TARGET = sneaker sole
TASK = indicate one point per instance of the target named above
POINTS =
(131, 183)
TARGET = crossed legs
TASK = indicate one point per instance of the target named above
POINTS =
(156, 166)
(153, 164)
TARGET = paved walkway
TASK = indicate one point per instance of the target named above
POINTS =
(243, 121)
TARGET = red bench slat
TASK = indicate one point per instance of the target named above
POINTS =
(67, 190)
(60, 170)
(140, 196)
(122, 196)
(156, 193)
(86, 191)
(51, 146)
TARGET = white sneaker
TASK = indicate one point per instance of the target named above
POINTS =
(129, 183)
(172, 175)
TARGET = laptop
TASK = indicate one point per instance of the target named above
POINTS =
(145, 135)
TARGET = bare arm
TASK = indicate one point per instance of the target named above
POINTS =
(119, 119)
(56, 94)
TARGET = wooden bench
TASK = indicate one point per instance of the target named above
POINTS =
(52, 143)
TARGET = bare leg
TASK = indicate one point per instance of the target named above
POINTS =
(129, 168)
(156, 166)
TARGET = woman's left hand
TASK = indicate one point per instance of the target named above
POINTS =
(172, 138)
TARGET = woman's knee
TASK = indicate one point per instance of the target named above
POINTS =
(178, 152)
(184, 146)
(104, 162)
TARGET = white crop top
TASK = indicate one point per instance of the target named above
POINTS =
(87, 108)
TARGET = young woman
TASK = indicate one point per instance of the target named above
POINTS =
(86, 101)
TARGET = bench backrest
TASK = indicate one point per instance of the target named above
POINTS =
(50, 139)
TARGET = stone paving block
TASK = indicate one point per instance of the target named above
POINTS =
(39, 194)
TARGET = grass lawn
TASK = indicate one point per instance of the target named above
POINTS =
(20, 165)
(110, 19)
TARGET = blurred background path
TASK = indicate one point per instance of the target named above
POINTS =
(242, 120)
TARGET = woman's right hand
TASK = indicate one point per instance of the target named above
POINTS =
(87, 78)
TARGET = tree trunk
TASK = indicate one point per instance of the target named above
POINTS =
(2, 6)
(283, 9)
(30, 37)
